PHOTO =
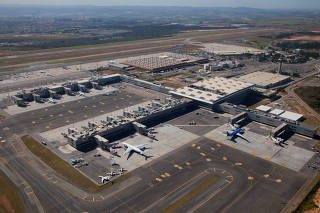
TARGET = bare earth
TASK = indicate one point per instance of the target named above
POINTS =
(6, 205)
(303, 38)
(316, 200)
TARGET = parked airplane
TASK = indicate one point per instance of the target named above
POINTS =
(51, 101)
(104, 178)
(236, 133)
(137, 149)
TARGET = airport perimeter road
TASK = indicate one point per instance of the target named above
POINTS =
(290, 91)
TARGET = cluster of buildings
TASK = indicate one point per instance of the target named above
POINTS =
(228, 64)
(42, 94)
(283, 114)
(135, 118)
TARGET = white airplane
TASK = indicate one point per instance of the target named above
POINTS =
(51, 101)
(137, 149)
(104, 178)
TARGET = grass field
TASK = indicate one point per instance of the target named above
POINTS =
(63, 168)
(310, 95)
(193, 193)
(9, 199)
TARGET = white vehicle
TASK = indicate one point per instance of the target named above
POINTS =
(52, 101)
(108, 93)
(82, 94)
(277, 141)
(112, 173)
(137, 149)
(104, 178)
(121, 171)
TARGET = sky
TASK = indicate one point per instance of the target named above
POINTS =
(275, 4)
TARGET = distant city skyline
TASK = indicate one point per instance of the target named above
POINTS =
(268, 4)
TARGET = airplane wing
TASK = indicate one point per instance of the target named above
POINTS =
(130, 154)
(127, 150)
(241, 136)
(140, 146)
(233, 137)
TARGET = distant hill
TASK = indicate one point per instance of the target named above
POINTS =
(153, 13)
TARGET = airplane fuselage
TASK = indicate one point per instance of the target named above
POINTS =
(239, 130)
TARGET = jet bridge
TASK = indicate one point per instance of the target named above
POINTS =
(279, 130)
(237, 118)
(102, 142)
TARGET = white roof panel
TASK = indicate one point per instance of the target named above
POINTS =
(263, 78)
(291, 116)
(263, 108)
(277, 111)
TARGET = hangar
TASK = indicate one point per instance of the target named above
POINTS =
(162, 61)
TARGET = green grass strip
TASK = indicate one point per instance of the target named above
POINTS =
(63, 168)
(179, 203)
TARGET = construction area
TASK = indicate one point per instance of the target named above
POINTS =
(228, 49)
(161, 61)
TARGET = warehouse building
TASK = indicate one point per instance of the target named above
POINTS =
(162, 61)
(265, 79)
(214, 90)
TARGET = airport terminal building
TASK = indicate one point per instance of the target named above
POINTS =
(214, 90)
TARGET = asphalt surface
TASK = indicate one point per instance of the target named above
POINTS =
(246, 182)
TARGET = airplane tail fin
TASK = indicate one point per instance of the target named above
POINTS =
(147, 157)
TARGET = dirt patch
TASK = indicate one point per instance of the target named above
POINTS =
(5, 205)
(106, 72)
(172, 84)
(303, 38)
(11, 52)
(316, 200)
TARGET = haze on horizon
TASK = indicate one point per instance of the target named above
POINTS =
(267, 4)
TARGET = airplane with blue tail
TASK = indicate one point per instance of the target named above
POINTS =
(236, 133)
